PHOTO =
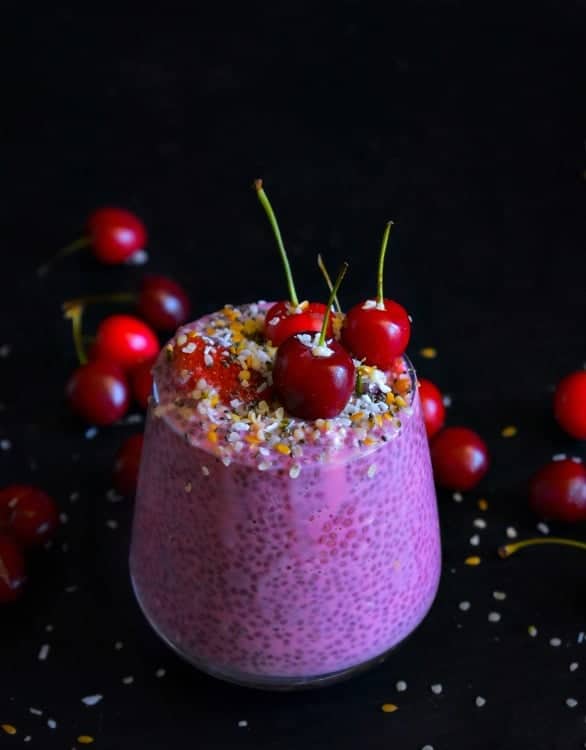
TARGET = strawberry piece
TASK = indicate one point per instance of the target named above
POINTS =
(218, 367)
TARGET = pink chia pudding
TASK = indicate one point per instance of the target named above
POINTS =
(270, 550)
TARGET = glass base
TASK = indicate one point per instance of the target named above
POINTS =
(266, 682)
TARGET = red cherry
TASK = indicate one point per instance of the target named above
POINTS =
(9, 497)
(214, 364)
(377, 336)
(460, 458)
(12, 575)
(125, 340)
(163, 303)
(377, 331)
(311, 386)
(98, 392)
(141, 382)
(33, 518)
(115, 234)
(284, 320)
(127, 464)
(432, 406)
(569, 404)
(558, 491)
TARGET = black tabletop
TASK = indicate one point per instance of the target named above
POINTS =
(463, 124)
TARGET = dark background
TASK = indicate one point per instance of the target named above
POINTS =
(465, 124)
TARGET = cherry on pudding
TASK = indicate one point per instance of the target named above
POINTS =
(314, 376)
(377, 330)
(285, 318)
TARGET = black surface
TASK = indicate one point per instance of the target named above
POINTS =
(464, 124)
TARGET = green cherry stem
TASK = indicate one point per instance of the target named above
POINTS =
(509, 549)
(265, 203)
(324, 326)
(75, 315)
(326, 275)
(78, 244)
(96, 299)
(380, 300)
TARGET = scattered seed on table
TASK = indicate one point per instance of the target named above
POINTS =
(128, 680)
(447, 400)
(479, 523)
(437, 688)
(457, 497)
(8, 728)
(559, 457)
(118, 645)
(511, 532)
(6, 445)
(571, 702)
(91, 432)
(63, 518)
(112, 524)
(49, 628)
(576, 459)
(51, 723)
(555, 642)
(574, 666)
(494, 617)
(160, 672)
(580, 636)
(543, 528)
(532, 630)
(473, 561)
(35, 711)
(28, 738)
(480, 701)
(113, 497)
(5, 350)
(475, 540)
(509, 431)
(92, 700)
(85, 739)
(71, 589)
(74, 497)
(428, 352)
(500, 596)
(427, 747)
(464, 606)
(389, 708)
(401, 686)
(482, 504)
(44, 651)
(242, 723)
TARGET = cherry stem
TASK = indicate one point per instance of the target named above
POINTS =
(509, 549)
(324, 326)
(380, 300)
(76, 245)
(75, 315)
(326, 275)
(265, 203)
(96, 299)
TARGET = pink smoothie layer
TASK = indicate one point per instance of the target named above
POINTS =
(276, 563)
